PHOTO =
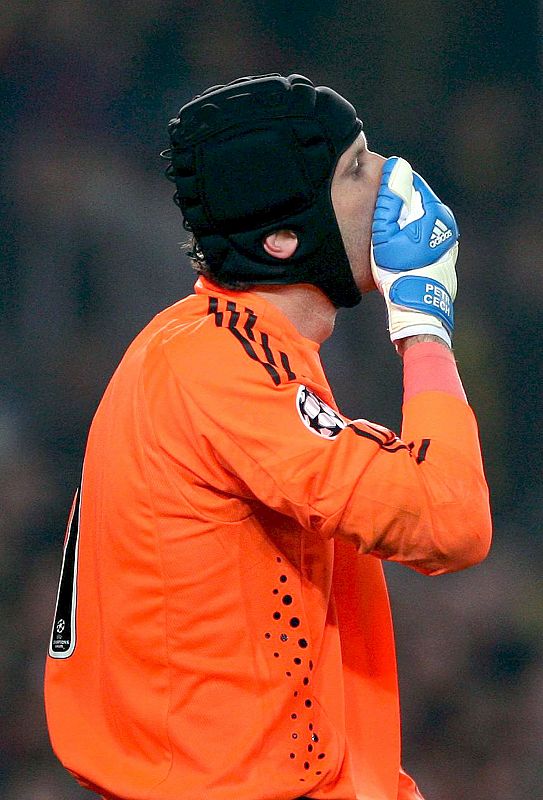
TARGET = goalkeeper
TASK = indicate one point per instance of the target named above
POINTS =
(222, 627)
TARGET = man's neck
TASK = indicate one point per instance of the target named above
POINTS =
(312, 313)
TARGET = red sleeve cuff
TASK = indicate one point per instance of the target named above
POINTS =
(430, 367)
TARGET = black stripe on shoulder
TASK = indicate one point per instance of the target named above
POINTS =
(286, 366)
(213, 308)
(249, 324)
(248, 347)
(264, 339)
(246, 336)
(234, 314)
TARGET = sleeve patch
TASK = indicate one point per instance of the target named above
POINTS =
(63, 635)
(317, 416)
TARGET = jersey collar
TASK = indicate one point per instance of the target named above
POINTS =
(275, 321)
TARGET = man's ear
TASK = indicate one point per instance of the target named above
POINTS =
(281, 244)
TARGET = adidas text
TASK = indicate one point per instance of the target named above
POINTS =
(435, 240)
(440, 234)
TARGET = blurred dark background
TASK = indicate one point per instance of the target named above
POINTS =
(90, 251)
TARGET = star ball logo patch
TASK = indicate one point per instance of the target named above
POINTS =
(317, 415)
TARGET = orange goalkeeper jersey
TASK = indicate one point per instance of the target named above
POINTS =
(222, 629)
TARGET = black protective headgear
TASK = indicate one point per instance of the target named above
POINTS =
(256, 156)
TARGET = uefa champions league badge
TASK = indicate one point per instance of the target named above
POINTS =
(317, 416)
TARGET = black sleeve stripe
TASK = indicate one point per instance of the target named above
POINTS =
(423, 449)
(387, 447)
(366, 434)
(266, 347)
(389, 438)
(246, 340)
(392, 445)
(247, 346)
(234, 314)
(286, 366)
(249, 324)
(386, 437)
(390, 449)
(214, 309)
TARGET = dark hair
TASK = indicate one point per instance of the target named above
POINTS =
(194, 252)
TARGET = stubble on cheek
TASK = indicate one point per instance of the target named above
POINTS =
(356, 240)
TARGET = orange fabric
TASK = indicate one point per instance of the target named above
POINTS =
(231, 643)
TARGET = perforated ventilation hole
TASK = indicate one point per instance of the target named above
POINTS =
(294, 622)
(283, 578)
(306, 681)
(277, 615)
(302, 642)
(284, 637)
(287, 600)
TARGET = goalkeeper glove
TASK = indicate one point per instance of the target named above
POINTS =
(414, 250)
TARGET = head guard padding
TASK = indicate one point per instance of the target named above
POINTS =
(257, 156)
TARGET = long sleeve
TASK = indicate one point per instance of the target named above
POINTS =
(420, 499)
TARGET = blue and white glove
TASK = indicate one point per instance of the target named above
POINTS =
(414, 250)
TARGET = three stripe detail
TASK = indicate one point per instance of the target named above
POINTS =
(244, 333)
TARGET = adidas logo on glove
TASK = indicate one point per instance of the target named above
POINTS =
(440, 234)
